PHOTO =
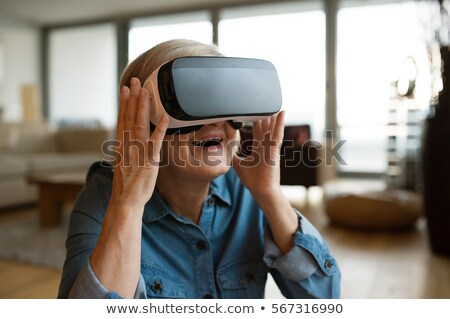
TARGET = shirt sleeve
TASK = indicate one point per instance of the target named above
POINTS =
(87, 286)
(308, 270)
(78, 279)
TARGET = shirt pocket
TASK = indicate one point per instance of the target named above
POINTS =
(244, 278)
(160, 284)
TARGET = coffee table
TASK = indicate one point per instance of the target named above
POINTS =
(55, 189)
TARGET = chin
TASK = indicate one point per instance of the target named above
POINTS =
(211, 168)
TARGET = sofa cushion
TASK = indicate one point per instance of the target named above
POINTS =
(51, 162)
(16, 191)
(29, 137)
(376, 210)
(12, 166)
(8, 137)
(81, 140)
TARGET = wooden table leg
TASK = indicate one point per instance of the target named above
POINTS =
(49, 206)
(52, 196)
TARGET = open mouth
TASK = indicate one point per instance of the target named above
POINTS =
(212, 141)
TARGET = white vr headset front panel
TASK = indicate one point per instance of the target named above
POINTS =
(157, 109)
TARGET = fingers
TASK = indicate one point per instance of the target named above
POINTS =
(132, 105)
(270, 127)
(133, 121)
(158, 134)
(265, 125)
(124, 96)
(128, 106)
(278, 127)
(141, 127)
(134, 113)
(239, 162)
(236, 161)
(257, 130)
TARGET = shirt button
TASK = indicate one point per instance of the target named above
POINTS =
(201, 245)
(211, 201)
(156, 286)
(207, 296)
(250, 276)
(328, 264)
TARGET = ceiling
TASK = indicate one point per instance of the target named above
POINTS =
(54, 12)
(63, 12)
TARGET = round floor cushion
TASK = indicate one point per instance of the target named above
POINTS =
(377, 210)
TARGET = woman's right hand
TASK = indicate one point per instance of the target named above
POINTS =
(138, 152)
(117, 255)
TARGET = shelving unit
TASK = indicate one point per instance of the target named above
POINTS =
(404, 142)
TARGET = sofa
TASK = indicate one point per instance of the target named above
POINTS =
(29, 148)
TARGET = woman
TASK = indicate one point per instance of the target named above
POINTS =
(193, 227)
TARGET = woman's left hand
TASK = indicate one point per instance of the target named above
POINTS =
(260, 171)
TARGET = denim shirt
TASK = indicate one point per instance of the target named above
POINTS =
(228, 254)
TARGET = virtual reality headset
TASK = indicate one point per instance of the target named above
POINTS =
(194, 91)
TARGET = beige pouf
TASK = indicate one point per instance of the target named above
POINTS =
(375, 210)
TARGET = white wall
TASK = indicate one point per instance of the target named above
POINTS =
(20, 65)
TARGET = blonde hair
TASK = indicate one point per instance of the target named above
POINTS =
(151, 59)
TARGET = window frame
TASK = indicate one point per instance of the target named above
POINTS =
(123, 25)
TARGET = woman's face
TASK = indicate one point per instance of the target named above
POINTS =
(204, 154)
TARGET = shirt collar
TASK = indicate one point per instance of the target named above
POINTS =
(156, 208)
(221, 190)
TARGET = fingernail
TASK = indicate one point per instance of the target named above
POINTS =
(124, 89)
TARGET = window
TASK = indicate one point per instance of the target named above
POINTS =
(292, 36)
(373, 39)
(373, 42)
(2, 62)
(147, 32)
(83, 74)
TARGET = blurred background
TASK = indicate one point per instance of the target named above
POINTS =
(366, 156)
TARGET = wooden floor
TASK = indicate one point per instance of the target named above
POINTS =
(21, 280)
(382, 264)
(373, 265)
(25, 281)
